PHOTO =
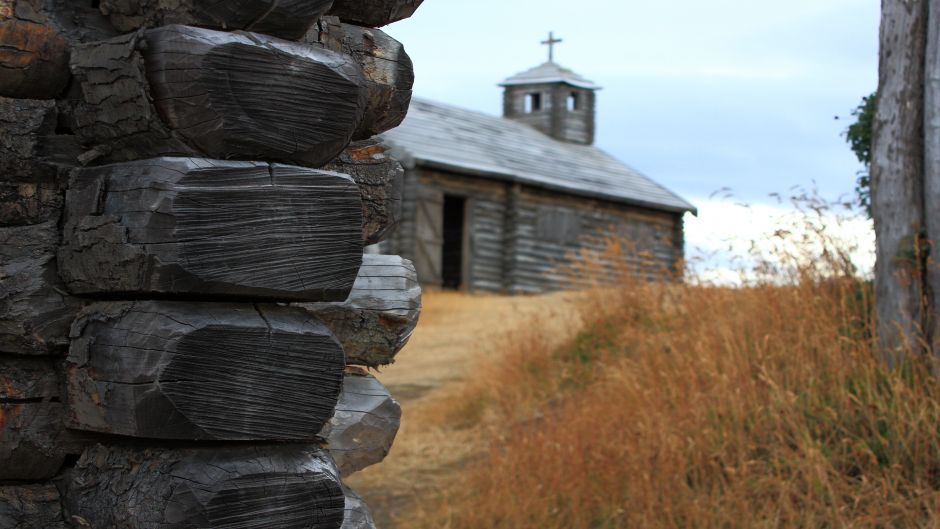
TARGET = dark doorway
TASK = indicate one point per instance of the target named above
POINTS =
(455, 209)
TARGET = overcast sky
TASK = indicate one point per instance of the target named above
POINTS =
(700, 96)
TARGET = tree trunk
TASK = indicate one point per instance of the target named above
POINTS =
(387, 70)
(380, 179)
(33, 440)
(377, 320)
(364, 426)
(31, 507)
(897, 179)
(285, 19)
(280, 486)
(374, 13)
(35, 311)
(197, 92)
(202, 371)
(229, 230)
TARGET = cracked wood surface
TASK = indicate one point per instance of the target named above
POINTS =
(378, 318)
(380, 178)
(232, 230)
(202, 371)
(386, 67)
(364, 425)
(33, 440)
(230, 487)
(288, 19)
(35, 310)
(357, 514)
(31, 507)
(179, 90)
(374, 13)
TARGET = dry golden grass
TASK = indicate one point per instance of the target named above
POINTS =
(681, 406)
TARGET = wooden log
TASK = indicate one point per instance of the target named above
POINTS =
(285, 19)
(31, 507)
(387, 70)
(35, 311)
(381, 313)
(230, 230)
(34, 59)
(33, 440)
(380, 178)
(197, 92)
(357, 514)
(374, 13)
(229, 487)
(202, 371)
(363, 428)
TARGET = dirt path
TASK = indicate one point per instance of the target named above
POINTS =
(456, 332)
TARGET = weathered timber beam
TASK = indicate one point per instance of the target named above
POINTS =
(232, 230)
(374, 13)
(387, 70)
(221, 487)
(382, 310)
(35, 311)
(380, 179)
(33, 440)
(363, 428)
(197, 92)
(31, 507)
(357, 514)
(286, 19)
(202, 371)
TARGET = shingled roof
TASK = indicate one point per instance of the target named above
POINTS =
(550, 72)
(449, 138)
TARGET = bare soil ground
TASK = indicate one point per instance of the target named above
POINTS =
(456, 333)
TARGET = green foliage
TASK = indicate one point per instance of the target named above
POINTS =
(858, 137)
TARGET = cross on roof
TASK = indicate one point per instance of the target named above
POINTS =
(551, 45)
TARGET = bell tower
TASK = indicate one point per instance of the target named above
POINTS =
(552, 99)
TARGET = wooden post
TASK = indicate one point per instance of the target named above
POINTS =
(932, 168)
(898, 180)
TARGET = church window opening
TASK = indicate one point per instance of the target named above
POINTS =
(574, 102)
(533, 102)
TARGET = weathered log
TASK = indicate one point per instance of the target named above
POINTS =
(35, 311)
(287, 487)
(381, 313)
(387, 70)
(34, 442)
(374, 13)
(363, 428)
(34, 59)
(31, 507)
(357, 514)
(286, 19)
(184, 226)
(202, 371)
(197, 92)
(380, 178)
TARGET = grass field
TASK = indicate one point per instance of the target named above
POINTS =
(657, 405)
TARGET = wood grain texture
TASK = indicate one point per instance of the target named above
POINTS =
(897, 177)
(379, 177)
(374, 13)
(932, 168)
(387, 70)
(357, 514)
(34, 60)
(202, 371)
(222, 229)
(31, 507)
(364, 426)
(382, 310)
(35, 311)
(285, 19)
(197, 92)
(33, 440)
(251, 487)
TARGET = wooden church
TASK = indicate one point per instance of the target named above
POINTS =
(501, 204)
